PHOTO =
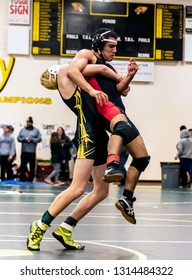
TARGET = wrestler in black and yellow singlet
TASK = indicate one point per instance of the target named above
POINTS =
(90, 134)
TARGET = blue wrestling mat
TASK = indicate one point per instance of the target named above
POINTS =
(19, 183)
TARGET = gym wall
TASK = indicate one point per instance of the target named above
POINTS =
(157, 108)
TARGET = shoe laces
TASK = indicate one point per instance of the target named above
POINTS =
(129, 210)
(37, 234)
(70, 238)
(129, 205)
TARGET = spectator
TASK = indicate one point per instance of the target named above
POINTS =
(66, 145)
(188, 176)
(7, 153)
(29, 136)
(56, 156)
(15, 169)
(11, 131)
(184, 148)
(182, 127)
(190, 131)
(73, 149)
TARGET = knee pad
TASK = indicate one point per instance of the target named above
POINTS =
(140, 163)
(126, 130)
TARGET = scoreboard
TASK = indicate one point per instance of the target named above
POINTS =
(169, 32)
(134, 28)
(46, 26)
(145, 31)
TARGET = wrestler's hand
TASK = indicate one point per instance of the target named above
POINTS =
(100, 96)
(126, 91)
(132, 67)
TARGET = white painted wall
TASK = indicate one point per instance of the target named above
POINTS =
(158, 109)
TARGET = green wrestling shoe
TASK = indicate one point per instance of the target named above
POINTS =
(65, 237)
(35, 236)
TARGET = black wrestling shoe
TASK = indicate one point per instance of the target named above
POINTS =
(112, 174)
(126, 207)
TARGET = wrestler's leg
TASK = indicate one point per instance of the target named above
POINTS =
(82, 171)
(111, 114)
(99, 192)
(138, 151)
(119, 125)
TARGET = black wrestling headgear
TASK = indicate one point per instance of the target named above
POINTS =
(101, 36)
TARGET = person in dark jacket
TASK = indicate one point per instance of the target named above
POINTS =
(7, 153)
(184, 154)
(66, 145)
(56, 156)
(29, 136)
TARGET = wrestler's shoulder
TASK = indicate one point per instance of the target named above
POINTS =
(87, 52)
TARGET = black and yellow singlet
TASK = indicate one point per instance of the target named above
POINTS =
(90, 133)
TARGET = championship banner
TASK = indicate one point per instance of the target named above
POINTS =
(19, 11)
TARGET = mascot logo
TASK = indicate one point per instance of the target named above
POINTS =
(5, 71)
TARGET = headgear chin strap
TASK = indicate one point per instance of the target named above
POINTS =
(98, 41)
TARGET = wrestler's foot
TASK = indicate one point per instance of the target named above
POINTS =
(126, 207)
(112, 174)
(65, 237)
(48, 181)
(35, 236)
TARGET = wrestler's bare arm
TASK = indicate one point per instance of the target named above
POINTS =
(94, 69)
(132, 70)
(81, 60)
(65, 85)
(76, 66)
(123, 82)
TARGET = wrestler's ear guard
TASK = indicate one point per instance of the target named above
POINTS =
(98, 41)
